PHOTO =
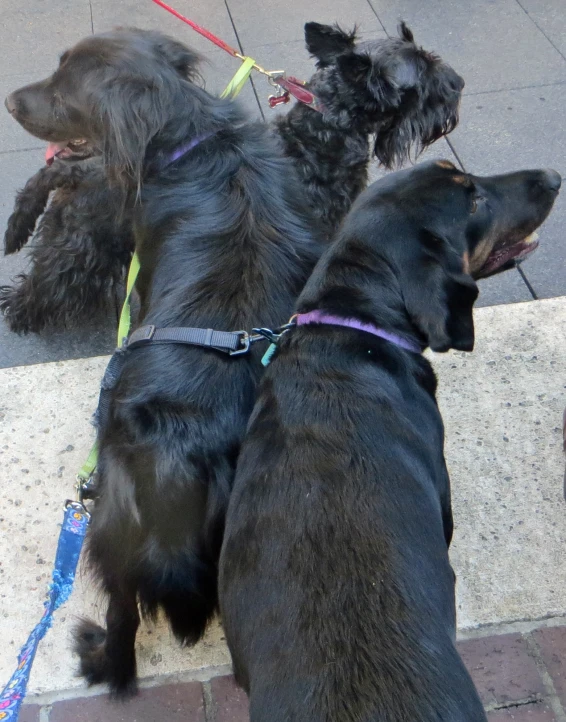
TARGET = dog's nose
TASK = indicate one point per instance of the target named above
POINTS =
(10, 104)
(460, 83)
(553, 179)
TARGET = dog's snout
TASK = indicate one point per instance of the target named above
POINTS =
(459, 83)
(10, 104)
(552, 179)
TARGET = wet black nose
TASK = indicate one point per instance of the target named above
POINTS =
(10, 104)
(552, 179)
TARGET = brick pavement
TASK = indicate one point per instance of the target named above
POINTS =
(519, 676)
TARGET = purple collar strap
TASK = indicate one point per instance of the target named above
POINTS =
(184, 149)
(303, 319)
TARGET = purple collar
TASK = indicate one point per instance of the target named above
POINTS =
(184, 149)
(304, 319)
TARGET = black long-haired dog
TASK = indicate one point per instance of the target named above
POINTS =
(402, 95)
(336, 590)
(82, 246)
(225, 242)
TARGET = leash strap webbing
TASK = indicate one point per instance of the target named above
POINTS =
(69, 546)
(239, 80)
(207, 337)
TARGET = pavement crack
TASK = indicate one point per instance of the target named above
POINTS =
(534, 22)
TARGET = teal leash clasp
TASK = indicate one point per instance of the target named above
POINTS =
(273, 336)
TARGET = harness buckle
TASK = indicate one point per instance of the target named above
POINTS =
(245, 344)
(145, 333)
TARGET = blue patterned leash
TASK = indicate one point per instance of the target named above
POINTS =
(71, 539)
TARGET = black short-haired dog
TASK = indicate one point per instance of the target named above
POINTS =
(402, 95)
(336, 590)
(225, 241)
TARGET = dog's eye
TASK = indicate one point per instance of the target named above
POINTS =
(476, 200)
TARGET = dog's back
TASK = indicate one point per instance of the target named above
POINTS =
(335, 577)
(223, 244)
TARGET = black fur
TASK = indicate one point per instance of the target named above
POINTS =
(225, 242)
(391, 89)
(82, 246)
(336, 591)
(402, 95)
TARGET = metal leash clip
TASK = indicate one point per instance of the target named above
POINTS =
(281, 95)
(84, 490)
(273, 336)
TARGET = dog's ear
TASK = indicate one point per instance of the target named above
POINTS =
(405, 33)
(184, 60)
(439, 295)
(327, 42)
(130, 114)
(364, 75)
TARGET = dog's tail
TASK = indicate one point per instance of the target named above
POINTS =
(89, 639)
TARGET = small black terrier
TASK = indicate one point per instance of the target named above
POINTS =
(225, 241)
(391, 89)
(403, 96)
(336, 590)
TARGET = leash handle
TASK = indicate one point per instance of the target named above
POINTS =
(71, 539)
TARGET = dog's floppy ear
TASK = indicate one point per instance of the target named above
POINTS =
(129, 110)
(131, 114)
(327, 42)
(184, 60)
(439, 295)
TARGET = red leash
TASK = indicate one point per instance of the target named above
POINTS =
(287, 86)
(203, 31)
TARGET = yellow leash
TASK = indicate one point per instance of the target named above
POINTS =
(86, 471)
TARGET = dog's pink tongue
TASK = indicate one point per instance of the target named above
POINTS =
(52, 150)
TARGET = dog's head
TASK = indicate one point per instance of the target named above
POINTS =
(416, 241)
(114, 92)
(406, 96)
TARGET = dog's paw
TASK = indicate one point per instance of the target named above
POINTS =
(97, 667)
(15, 314)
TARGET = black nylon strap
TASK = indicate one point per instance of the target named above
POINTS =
(109, 380)
(227, 341)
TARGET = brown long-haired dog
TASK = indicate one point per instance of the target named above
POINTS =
(225, 242)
